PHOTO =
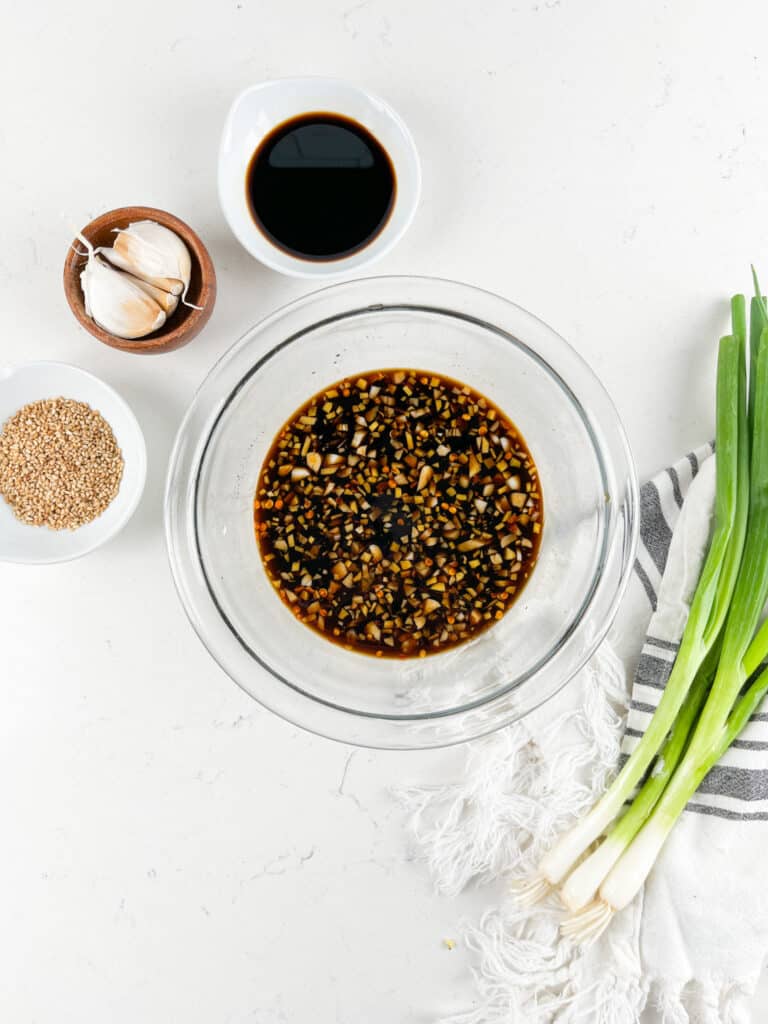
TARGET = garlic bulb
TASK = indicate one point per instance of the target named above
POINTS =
(153, 253)
(116, 301)
(133, 286)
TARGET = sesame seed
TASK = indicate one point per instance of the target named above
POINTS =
(60, 465)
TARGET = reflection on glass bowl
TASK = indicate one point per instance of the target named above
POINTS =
(588, 482)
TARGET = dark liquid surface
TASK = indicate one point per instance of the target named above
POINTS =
(320, 186)
(398, 513)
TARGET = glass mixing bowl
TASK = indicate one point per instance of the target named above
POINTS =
(590, 512)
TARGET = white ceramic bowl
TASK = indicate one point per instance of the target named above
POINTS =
(31, 382)
(260, 109)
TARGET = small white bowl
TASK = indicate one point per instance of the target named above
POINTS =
(31, 382)
(260, 109)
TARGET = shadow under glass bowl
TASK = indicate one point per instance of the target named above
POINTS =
(590, 512)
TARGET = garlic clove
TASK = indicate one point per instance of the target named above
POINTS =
(117, 257)
(117, 302)
(167, 301)
(154, 253)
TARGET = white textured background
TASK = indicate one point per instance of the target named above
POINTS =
(170, 852)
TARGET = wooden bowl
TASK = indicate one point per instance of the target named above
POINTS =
(184, 323)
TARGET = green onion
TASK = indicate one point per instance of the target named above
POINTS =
(725, 712)
(707, 615)
(743, 710)
(719, 676)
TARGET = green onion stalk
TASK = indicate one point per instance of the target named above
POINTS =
(708, 611)
(731, 699)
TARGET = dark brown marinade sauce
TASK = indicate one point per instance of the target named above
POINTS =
(320, 186)
(398, 513)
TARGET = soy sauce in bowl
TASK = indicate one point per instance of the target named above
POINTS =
(320, 186)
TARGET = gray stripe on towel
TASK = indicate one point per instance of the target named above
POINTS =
(653, 672)
(738, 783)
(642, 575)
(720, 812)
(638, 705)
(675, 486)
(654, 529)
(665, 645)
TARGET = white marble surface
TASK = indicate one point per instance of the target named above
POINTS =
(170, 851)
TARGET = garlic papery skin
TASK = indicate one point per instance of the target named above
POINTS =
(117, 302)
(154, 253)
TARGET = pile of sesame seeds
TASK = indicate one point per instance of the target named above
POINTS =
(60, 465)
(398, 513)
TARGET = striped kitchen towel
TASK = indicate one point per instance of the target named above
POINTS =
(693, 942)
(703, 930)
